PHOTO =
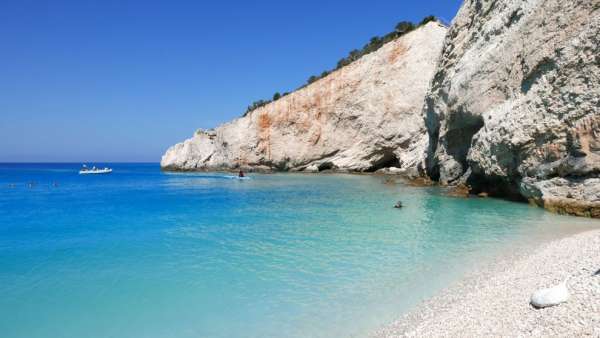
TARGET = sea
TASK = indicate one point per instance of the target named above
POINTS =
(146, 253)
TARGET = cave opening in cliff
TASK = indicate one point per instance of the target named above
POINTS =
(325, 166)
(387, 160)
(459, 138)
(433, 168)
(495, 187)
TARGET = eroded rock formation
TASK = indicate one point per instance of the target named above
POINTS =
(363, 117)
(514, 107)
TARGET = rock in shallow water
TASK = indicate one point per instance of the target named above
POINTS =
(551, 296)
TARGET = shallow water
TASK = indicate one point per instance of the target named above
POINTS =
(140, 253)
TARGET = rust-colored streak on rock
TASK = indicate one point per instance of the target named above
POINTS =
(397, 52)
(264, 124)
(264, 121)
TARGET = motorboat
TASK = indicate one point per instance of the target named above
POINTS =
(93, 170)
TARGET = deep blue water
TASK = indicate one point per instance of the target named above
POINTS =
(141, 253)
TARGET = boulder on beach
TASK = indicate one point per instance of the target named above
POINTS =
(551, 296)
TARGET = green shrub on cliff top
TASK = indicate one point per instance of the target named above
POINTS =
(404, 27)
(427, 20)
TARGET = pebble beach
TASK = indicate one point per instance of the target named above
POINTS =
(495, 299)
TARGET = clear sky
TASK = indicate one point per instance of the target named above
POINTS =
(123, 80)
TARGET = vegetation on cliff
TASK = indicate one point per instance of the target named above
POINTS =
(374, 44)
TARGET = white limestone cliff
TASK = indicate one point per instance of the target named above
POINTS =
(514, 108)
(363, 117)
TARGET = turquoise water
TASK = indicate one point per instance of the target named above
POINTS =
(140, 253)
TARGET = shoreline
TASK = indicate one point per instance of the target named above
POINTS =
(493, 299)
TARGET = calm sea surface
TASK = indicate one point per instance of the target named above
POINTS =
(141, 253)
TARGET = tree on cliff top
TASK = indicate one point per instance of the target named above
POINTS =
(427, 20)
(404, 27)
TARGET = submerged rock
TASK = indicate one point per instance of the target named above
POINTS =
(551, 296)
(460, 190)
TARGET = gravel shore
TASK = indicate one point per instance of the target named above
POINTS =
(494, 301)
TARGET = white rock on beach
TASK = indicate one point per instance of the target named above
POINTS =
(551, 296)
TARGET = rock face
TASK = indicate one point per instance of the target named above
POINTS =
(514, 107)
(363, 117)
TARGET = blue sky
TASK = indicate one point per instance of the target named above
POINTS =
(123, 80)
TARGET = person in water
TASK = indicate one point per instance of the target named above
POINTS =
(241, 174)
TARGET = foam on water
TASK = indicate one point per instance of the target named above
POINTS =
(140, 253)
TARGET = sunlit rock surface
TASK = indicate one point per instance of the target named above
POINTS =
(363, 117)
(514, 108)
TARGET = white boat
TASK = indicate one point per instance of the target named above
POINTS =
(236, 177)
(88, 171)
